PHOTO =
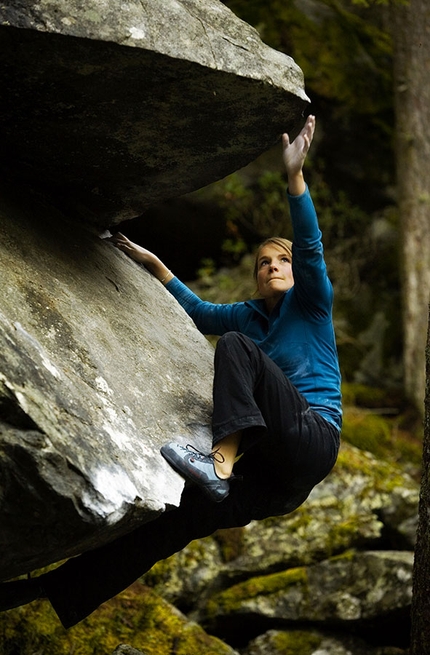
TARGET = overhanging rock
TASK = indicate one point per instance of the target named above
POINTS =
(110, 107)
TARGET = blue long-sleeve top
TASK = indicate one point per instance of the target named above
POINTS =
(298, 333)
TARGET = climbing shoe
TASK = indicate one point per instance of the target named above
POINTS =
(199, 468)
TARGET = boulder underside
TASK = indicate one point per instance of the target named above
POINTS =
(110, 122)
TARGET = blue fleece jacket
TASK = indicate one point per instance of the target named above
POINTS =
(298, 334)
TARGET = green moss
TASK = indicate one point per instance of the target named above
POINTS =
(344, 534)
(386, 476)
(367, 431)
(296, 642)
(231, 599)
(137, 617)
(346, 556)
(362, 395)
(162, 571)
(396, 435)
(196, 550)
(159, 573)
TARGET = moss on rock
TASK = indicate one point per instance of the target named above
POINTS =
(385, 476)
(137, 617)
(380, 421)
(362, 395)
(367, 431)
(186, 575)
(265, 585)
(296, 642)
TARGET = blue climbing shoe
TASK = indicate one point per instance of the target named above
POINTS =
(198, 468)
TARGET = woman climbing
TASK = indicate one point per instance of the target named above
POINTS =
(276, 402)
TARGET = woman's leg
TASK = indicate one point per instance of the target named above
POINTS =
(256, 408)
(294, 449)
(78, 587)
(227, 450)
(252, 395)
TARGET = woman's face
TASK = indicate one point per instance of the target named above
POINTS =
(274, 274)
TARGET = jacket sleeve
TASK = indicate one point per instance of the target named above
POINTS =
(210, 318)
(311, 283)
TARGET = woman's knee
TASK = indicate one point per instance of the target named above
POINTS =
(228, 337)
(235, 341)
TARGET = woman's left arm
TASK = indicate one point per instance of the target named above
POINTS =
(310, 276)
(294, 155)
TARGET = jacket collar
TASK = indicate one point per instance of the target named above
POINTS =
(259, 306)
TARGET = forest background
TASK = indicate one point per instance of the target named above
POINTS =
(348, 56)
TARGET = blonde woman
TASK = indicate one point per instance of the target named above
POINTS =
(276, 402)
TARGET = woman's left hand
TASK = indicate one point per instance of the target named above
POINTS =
(294, 154)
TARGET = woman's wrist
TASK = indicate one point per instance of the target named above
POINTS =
(167, 277)
(296, 184)
(160, 271)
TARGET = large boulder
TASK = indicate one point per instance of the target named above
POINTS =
(99, 366)
(110, 107)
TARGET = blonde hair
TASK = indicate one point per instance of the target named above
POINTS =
(280, 242)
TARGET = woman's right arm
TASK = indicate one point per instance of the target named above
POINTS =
(143, 256)
(210, 318)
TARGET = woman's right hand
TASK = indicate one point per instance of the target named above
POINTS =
(142, 256)
(131, 249)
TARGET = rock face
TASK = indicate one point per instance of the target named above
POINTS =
(110, 107)
(98, 367)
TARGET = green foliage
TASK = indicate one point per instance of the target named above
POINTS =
(207, 268)
(253, 212)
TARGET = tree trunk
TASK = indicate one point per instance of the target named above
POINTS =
(412, 105)
(420, 635)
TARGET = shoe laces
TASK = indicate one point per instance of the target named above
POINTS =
(215, 455)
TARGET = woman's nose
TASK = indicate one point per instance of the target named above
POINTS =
(273, 267)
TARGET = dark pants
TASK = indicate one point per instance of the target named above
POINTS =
(287, 449)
